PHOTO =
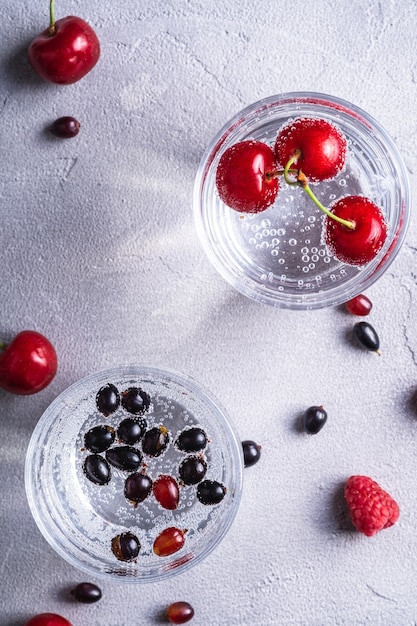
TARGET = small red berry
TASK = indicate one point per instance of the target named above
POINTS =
(169, 541)
(371, 508)
(65, 127)
(166, 492)
(179, 612)
(322, 147)
(48, 619)
(361, 244)
(242, 177)
(360, 305)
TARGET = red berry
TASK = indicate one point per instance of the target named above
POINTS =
(166, 491)
(242, 177)
(28, 363)
(371, 508)
(169, 541)
(65, 127)
(322, 147)
(360, 305)
(361, 244)
(66, 51)
(48, 619)
(180, 612)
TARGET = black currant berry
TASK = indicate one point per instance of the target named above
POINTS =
(192, 469)
(138, 486)
(87, 593)
(314, 419)
(125, 458)
(251, 452)
(125, 546)
(107, 399)
(155, 441)
(367, 336)
(65, 127)
(210, 492)
(135, 400)
(131, 430)
(191, 439)
(97, 469)
(99, 438)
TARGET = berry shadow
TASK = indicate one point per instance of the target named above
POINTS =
(411, 404)
(339, 513)
(17, 71)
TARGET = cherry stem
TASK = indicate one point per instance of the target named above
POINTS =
(51, 18)
(3, 345)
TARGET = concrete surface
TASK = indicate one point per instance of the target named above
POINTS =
(99, 252)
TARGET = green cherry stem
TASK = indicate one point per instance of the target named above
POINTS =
(3, 345)
(52, 27)
(303, 182)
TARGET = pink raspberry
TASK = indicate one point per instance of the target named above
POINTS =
(371, 508)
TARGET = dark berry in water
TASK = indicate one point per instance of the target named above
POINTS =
(367, 336)
(99, 438)
(251, 452)
(169, 541)
(97, 469)
(131, 430)
(138, 486)
(87, 593)
(191, 439)
(360, 305)
(192, 469)
(314, 419)
(210, 492)
(166, 492)
(65, 127)
(135, 400)
(107, 399)
(179, 612)
(125, 546)
(125, 458)
(155, 441)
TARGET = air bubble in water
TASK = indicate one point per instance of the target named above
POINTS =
(292, 242)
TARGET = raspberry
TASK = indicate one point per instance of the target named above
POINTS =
(371, 508)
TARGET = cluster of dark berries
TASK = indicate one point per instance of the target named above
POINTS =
(124, 447)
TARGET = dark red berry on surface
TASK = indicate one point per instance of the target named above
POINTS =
(108, 399)
(131, 430)
(361, 244)
(125, 546)
(48, 619)
(191, 439)
(366, 335)
(137, 488)
(135, 400)
(87, 593)
(65, 127)
(360, 305)
(97, 470)
(125, 458)
(99, 438)
(243, 177)
(179, 612)
(155, 441)
(320, 144)
(314, 419)
(210, 492)
(169, 541)
(192, 469)
(166, 492)
(251, 452)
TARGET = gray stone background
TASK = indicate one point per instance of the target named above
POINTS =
(99, 252)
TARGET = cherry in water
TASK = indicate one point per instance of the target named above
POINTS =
(192, 469)
(192, 439)
(360, 244)
(319, 147)
(242, 177)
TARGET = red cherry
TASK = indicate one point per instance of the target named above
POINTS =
(48, 619)
(66, 51)
(28, 363)
(322, 147)
(360, 305)
(242, 177)
(361, 244)
(169, 541)
(166, 492)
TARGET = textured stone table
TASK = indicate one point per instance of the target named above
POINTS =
(99, 252)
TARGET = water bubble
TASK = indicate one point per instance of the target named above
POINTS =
(273, 232)
(275, 252)
(252, 241)
(281, 261)
(258, 236)
(264, 245)
(265, 232)
(292, 242)
(342, 182)
(254, 228)
(281, 232)
(304, 250)
(275, 242)
(305, 258)
(266, 223)
(311, 219)
(315, 258)
(305, 269)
